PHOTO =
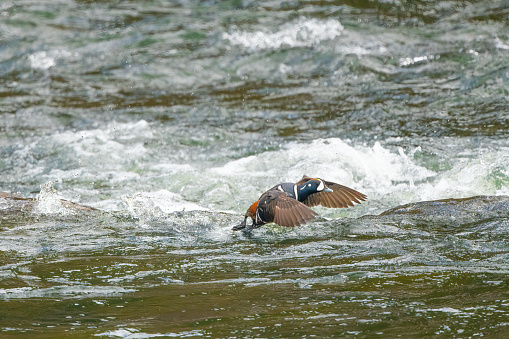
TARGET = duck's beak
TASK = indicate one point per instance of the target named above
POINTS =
(328, 190)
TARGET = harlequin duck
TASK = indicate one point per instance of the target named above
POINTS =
(288, 204)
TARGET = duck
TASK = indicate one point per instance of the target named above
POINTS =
(289, 204)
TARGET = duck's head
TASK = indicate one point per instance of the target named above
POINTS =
(312, 186)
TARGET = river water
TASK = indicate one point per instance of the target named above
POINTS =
(171, 117)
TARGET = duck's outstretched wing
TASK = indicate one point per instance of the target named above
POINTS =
(340, 197)
(278, 207)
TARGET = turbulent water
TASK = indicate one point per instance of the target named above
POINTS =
(169, 118)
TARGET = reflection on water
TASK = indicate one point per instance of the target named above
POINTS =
(169, 118)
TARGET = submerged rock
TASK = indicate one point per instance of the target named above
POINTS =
(462, 210)
(445, 215)
(470, 208)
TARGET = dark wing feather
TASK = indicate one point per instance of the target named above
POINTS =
(265, 210)
(340, 197)
(292, 213)
(278, 207)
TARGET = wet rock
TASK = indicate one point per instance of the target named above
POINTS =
(445, 215)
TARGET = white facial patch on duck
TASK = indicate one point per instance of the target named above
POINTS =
(320, 187)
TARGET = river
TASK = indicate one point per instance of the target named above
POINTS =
(169, 118)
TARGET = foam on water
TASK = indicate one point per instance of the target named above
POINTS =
(388, 177)
(108, 153)
(119, 140)
(119, 156)
(76, 291)
(133, 333)
(44, 60)
(303, 32)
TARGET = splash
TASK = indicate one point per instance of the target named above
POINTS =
(157, 204)
(48, 201)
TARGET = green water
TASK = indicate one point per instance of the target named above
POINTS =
(171, 117)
